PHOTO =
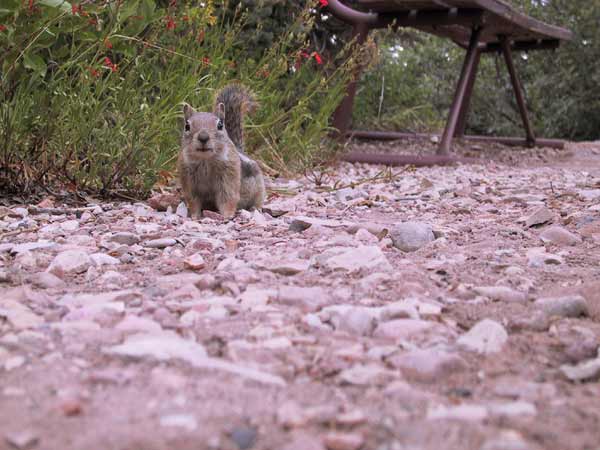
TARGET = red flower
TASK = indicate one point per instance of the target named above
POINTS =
(94, 72)
(31, 5)
(186, 18)
(323, 3)
(2, 28)
(172, 3)
(318, 58)
(92, 21)
(75, 8)
(170, 23)
(205, 61)
(107, 43)
(110, 65)
(304, 54)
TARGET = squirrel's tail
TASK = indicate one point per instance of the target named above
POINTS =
(231, 103)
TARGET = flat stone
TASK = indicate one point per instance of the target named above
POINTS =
(185, 421)
(290, 267)
(70, 262)
(559, 236)
(403, 328)
(427, 365)
(501, 293)
(539, 217)
(125, 238)
(135, 324)
(166, 346)
(308, 299)
(194, 262)
(338, 440)
(486, 337)
(567, 306)
(512, 409)
(411, 236)
(465, 413)
(360, 258)
(161, 243)
(585, 371)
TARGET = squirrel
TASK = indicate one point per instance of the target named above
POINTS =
(214, 171)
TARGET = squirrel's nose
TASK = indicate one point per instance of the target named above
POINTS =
(203, 137)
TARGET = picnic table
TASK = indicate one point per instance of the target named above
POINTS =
(478, 26)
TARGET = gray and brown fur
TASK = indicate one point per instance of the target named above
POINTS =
(214, 172)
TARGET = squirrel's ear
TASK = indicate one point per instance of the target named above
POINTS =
(187, 111)
(221, 111)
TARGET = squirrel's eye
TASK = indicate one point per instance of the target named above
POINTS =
(187, 126)
(219, 124)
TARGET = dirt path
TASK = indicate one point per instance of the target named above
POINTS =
(335, 325)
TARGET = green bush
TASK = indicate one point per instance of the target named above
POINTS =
(91, 95)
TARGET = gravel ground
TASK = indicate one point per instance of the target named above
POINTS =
(364, 308)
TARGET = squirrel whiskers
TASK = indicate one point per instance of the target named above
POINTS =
(214, 172)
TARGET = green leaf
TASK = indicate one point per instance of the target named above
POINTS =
(35, 63)
(148, 8)
(62, 4)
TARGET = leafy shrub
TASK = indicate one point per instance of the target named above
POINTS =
(91, 93)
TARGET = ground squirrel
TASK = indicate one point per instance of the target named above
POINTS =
(215, 173)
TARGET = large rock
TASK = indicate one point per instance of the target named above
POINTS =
(308, 299)
(539, 216)
(559, 236)
(70, 262)
(567, 306)
(411, 236)
(485, 337)
(427, 365)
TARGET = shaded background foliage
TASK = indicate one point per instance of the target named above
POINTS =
(419, 73)
(90, 91)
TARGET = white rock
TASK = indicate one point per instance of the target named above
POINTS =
(501, 293)
(356, 259)
(486, 337)
(166, 346)
(135, 324)
(360, 375)
(512, 409)
(102, 259)
(14, 363)
(70, 262)
(182, 210)
(307, 299)
(466, 413)
(69, 225)
(185, 421)
(587, 370)
(290, 266)
(411, 236)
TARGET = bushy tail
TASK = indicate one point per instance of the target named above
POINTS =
(233, 102)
